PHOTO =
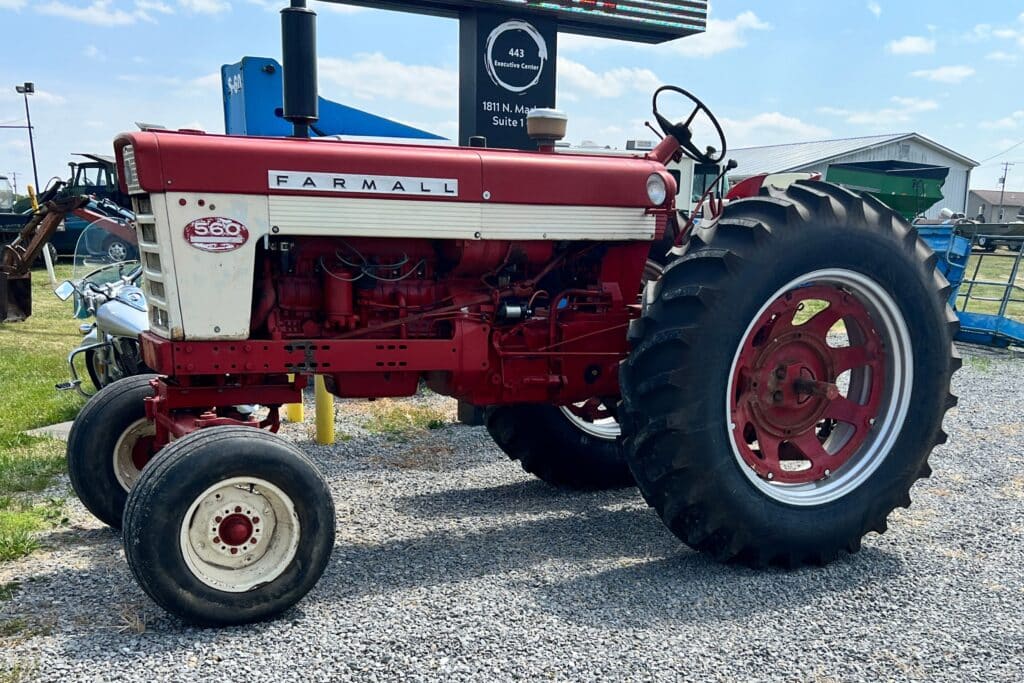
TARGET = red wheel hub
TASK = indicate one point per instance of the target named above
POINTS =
(591, 411)
(791, 421)
(234, 530)
(142, 451)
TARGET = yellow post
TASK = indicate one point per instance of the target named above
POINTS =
(294, 412)
(32, 197)
(324, 412)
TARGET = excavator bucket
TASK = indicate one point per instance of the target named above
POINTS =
(17, 257)
(15, 297)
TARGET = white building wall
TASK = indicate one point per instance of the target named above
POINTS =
(954, 191)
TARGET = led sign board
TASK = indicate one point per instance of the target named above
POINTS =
(647, 21)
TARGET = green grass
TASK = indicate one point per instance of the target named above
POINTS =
(395, 419)
(994, 268)
(32, 361)
(18, 673)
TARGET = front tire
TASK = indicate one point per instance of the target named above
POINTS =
(756, 434)
(231, 525)
(109, 443)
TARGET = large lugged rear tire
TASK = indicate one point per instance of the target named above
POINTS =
(755, 434)
(109, 443)
(230, 525)
(558, 447)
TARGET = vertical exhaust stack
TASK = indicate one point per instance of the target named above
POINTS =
(298, 59)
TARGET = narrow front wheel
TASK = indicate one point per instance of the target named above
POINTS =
(231, 525)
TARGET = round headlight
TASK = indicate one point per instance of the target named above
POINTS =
(656, 190)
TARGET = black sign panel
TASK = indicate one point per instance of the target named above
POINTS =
(648, 21)
(507, 66)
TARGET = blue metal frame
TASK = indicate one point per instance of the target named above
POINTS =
(954, 251)
(252, 92)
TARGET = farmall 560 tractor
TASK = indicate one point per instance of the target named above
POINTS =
(774, 393)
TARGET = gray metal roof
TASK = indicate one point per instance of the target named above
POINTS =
(992, 197)
(798, 155)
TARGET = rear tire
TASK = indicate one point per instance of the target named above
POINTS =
(551, 446)
(231, 525)
(716, 425)
(104, 447)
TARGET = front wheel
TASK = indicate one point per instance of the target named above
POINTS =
(110, 442)
(230, 525)
(789, 377)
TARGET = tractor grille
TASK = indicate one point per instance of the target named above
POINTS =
(149, 252)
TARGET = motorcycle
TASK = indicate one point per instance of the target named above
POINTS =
(110, 291)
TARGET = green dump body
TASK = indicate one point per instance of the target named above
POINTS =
(909, 189)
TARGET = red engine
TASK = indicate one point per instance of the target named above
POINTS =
(548, 319)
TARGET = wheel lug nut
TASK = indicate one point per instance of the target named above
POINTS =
(216, 539)
(218, 519)
(255, 520)
(771, 476)
(777, 397)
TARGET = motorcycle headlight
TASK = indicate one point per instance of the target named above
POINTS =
(656, 190)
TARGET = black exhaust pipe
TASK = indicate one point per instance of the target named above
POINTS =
(298, 59)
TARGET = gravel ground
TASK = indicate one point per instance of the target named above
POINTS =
(451, 563)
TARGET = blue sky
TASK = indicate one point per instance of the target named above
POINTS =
(774, 72)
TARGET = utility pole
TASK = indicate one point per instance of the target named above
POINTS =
(1002, 190)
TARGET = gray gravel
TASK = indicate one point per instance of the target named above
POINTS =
(451, 563)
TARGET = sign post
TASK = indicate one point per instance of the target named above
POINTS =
(508, 49)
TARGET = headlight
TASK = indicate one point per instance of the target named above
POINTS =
(656, 190)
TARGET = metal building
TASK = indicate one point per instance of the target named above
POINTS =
(816, 157)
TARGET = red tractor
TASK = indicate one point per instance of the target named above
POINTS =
(774, 393)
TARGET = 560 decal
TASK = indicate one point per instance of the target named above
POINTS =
(216, 234)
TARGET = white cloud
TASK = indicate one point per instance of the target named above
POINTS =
(875, 8)
(912, 45)
(902, 110)
(12, 4)
(93, 52)
(99, 13)
(374, 76)
(153, 6)
(721, 36)
(205, 6)
(576, 77)
(945, 74)
(1011, 122)
(986, 32)
(47, 97)
(1001, 56)
(765, 129)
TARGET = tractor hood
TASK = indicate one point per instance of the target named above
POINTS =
(167, 161)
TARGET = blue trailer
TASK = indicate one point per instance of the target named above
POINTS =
(970, 287)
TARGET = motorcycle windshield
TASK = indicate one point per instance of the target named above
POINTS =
(106, 251)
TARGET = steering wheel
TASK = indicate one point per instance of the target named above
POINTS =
(681, 130)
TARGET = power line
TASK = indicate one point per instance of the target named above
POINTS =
(1009, 149)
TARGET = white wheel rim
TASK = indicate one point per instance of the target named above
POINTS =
(234, 564)
(605, 428)
(900, 378)
(124, 466)
(117, 251)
